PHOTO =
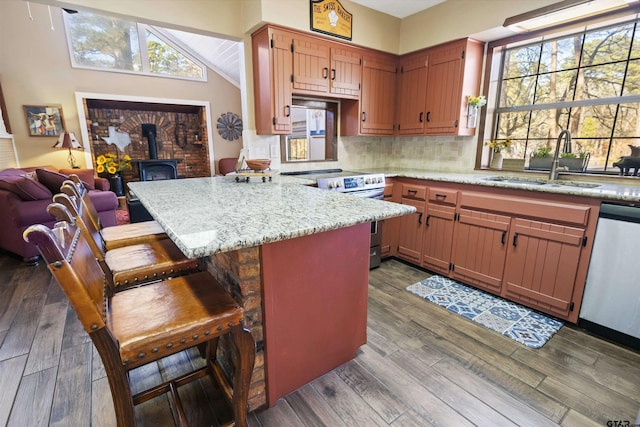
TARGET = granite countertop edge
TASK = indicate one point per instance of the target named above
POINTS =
(605, 191)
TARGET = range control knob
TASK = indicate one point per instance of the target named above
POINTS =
(330, 184)
(338, 184)
(367, 181)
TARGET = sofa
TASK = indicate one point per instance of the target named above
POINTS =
(25, 194)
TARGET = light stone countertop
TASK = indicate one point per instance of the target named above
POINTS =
(620, 192)
(204, 216)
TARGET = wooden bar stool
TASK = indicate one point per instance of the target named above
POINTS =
(126, 266)
(145, 324)
(115, 236)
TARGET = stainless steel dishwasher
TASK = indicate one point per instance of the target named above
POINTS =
(611, 303)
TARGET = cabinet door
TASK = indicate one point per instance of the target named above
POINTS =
(411, 231)
(438, 237)
(281, 74)
(272, 67)
(542, 265)
(310, 66)
(412, 92)
(377, 100)
(444, 87)
(390, 227)
(345, 73)
(480, 249)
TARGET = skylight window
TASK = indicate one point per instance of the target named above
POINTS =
(107, 43)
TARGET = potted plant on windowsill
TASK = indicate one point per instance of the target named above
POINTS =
(542, 158)
(496, 146)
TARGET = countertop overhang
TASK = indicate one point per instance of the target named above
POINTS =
(204, 216)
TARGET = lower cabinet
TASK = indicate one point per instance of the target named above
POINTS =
(542, 265)
(534, 251)
(410, 233)
(480, 249)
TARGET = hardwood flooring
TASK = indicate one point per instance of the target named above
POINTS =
(422, 365)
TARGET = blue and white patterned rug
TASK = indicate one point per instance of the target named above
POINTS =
(510, 319)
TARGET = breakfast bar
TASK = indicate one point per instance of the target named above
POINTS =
(294, 256)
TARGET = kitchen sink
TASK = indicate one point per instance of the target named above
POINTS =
(539, 181)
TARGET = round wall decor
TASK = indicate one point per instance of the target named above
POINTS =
(230, 126)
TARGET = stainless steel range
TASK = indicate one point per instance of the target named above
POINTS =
(366, 185)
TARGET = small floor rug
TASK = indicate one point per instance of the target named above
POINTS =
(510, 319)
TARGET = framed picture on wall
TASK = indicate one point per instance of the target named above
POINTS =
(44, 120)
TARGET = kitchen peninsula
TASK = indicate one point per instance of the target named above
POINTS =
(295, 257)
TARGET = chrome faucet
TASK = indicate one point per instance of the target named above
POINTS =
(553, 172)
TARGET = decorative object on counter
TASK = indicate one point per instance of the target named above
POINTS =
(626, 163)
(258, 164)
(497, 145)
(230, 126)
(511, 320)
(43, 120)
(111, 165)
(473, 105)
(67, 140)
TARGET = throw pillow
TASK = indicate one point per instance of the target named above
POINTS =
(53, 180)
(86, 176)
(25, 188)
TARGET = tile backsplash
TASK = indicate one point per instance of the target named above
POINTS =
(436, 153)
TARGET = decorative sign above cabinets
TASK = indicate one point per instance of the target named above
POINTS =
(329, 17)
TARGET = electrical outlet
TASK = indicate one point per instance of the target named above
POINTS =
(274, 151)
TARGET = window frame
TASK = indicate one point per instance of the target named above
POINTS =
(494, 69)
(144, 52)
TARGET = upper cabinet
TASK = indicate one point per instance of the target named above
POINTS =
(433, 87)
(375, 113)
(422, 93)
(272, 73)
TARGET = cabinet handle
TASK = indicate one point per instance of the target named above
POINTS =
(428, 114)
(515, 239)
(333, 74)
(441, 196)
(364, 116)
(412, 191)
(504, 236)
(421, 114)
(420, 218)
(427, 220)
(325, 73)
(288, 110)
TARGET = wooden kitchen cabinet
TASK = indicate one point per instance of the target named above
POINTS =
(375, 113)
(412, 92)
(542, 265)
(310, 65)
(411, 226)
(454, 72)
(346, 72)
(390, 227)
(480, 249)
(272, 71)
(438, 230)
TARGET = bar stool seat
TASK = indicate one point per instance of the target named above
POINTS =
(128, 265)
(115, 236)
(144, 324)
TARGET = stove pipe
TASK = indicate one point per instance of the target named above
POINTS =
(149, 131)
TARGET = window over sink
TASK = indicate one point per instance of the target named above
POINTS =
(587, 81)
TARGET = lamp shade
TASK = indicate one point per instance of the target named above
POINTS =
(67, 140)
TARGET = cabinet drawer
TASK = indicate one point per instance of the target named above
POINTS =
(411, 191)
(443, 196)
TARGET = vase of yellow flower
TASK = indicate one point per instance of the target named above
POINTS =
(111, 165)
(495, 153)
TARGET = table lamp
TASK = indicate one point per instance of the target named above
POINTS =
(68, 140)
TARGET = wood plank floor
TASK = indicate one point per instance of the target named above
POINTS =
(422, 365)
